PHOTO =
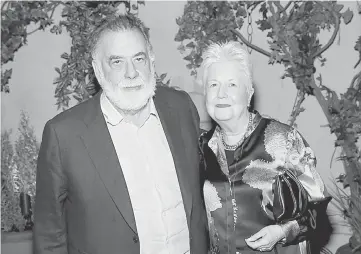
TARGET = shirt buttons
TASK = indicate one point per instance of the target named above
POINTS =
(135, 239)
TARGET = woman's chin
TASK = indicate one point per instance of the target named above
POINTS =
(222, 118)
(223, 114)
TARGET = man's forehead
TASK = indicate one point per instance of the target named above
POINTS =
(122, 43)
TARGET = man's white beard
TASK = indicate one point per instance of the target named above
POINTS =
(129, 101)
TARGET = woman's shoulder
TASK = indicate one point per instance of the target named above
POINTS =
(275, 127)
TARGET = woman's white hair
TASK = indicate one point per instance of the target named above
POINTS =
(231, 51)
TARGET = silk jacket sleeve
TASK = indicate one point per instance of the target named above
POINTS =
(301, 159)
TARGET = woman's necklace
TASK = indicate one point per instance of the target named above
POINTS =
(234, 147)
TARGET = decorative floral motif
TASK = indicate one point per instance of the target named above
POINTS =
(212, 203)
(212, 200)
(302, 160)
(275, 141)
(287, 149)
(261, 174)
(284, 148)
(295, 152)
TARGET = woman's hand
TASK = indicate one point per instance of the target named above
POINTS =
(266, 238)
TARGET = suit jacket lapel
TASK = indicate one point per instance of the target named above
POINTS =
(97, 141)
(172, 128)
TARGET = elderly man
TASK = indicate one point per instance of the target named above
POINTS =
(119, 172)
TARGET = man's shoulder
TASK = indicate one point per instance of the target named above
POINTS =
(76, 113)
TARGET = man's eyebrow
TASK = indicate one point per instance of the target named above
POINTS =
(115, 57)
(112, 57)
(140, 54)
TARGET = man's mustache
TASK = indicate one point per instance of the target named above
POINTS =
(134, 83)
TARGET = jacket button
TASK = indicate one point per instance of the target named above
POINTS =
(135, 239)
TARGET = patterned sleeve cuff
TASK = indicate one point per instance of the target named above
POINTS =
(291, 230)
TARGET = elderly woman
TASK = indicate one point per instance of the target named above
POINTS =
(241, 157)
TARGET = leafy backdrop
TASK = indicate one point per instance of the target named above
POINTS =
(293, 31)
(209, 12)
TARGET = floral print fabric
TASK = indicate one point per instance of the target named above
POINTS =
(238, 196)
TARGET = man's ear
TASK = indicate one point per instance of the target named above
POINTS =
(97, 71)
(151, 58)
(152, 66)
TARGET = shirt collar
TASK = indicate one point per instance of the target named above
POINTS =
(113, 117)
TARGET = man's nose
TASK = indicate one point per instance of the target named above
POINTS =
(222, 91)
(131, 72)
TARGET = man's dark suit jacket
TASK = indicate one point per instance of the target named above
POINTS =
(82, 200)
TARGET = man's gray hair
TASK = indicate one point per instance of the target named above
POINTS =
(230, 50)
(122, 22)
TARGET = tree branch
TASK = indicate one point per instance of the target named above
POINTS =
(53, 10)
(333, 37)
(320, 98)
(281, 8)
(254, 5)
(254, 47)
(296, 110)
(33, 31)
(286, 7)
(358, 75)
(358, 62)
(4, 4)
(51, 16)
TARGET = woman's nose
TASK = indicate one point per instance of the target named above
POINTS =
(131, 72)
(222, 91)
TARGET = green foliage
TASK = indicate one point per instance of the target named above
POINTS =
(11, 218)
(15, 17)
(293, 30)
(75, 77)
(7, 155)
(160, 80)
(26, 150)
(294, 36)
(358, 48)
(18, 173)
(204, 22)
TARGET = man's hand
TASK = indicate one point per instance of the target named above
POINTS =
(266, 238)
